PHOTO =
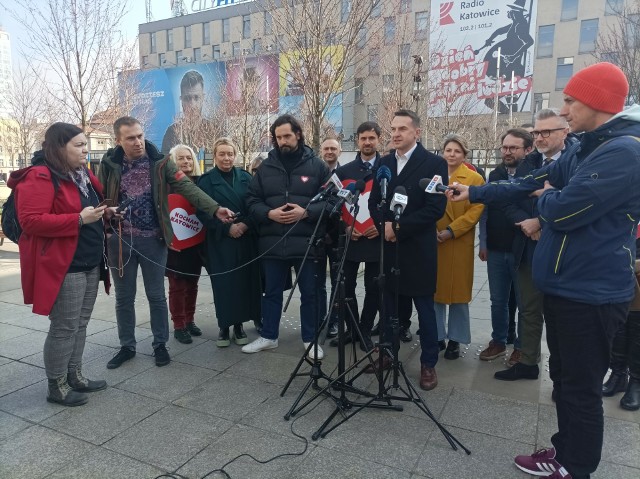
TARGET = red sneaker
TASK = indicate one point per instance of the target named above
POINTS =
(540, 463)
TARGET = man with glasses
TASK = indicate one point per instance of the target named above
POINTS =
(549, 136)
(498, 253)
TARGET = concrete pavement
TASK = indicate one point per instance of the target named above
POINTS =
(210, 405)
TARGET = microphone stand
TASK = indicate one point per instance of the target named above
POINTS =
(316, 372)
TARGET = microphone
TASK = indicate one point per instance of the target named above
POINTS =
(434, 186)
(333, 183)
(383, 176)
(359, 187)
(345, 195)
(399, 202)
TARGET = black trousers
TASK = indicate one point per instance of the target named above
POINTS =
(580, 337)
(625, 355)
(371, 304)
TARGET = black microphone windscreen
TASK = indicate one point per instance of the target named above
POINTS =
(423, 183)
(360, 185)
(401, 190)
(351, 187)
(384, 173)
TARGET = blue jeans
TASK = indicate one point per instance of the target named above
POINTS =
(426, 322)
(459, 327)
(502, 273)
(275, 276)
(125, 286)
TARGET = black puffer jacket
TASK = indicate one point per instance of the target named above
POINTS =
(272, 187)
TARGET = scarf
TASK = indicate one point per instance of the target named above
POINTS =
(81, 179)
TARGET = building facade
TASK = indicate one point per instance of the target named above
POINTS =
(396, 39)
(6, 73)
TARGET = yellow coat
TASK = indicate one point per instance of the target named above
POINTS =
(456, 256)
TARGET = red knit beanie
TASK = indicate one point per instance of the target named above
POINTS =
(602, 86)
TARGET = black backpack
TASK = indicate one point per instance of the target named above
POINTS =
(10, 224)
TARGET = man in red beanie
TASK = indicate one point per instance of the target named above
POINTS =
(589, 204)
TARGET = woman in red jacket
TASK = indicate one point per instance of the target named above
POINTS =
(61, 253)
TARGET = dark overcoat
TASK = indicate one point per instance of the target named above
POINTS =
(418, 246)
(236, 295)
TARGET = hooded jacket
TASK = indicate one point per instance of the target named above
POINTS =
(589, 219)
(272, 187)
(48, 215)
(164, 173)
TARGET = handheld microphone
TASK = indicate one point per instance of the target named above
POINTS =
(399, 202)
(434, 186)
(383, 176)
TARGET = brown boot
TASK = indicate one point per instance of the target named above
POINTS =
(428, 378)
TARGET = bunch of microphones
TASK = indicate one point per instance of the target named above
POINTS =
(400, 199)
(344, 194)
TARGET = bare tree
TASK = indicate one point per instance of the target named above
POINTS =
(620, 44)
(321, 51)
(247, 103)
(71, 39)
(31, 110)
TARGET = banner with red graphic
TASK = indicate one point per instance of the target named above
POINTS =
(363, 218)
(480, 48)
(188, 230)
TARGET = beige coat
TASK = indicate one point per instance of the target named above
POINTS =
(456, 256)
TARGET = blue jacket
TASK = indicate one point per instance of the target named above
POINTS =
(587, 249)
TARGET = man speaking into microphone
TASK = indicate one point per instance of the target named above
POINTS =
(415, 231)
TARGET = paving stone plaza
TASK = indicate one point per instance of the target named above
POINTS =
(211, 405)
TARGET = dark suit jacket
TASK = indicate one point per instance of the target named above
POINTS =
(418, 246)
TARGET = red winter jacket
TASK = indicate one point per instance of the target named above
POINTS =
(49, 220)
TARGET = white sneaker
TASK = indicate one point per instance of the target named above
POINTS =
(260, 344)
(313, 350)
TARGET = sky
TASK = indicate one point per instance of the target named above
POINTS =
(135, 15)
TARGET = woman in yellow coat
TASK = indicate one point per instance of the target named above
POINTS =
(456, 236)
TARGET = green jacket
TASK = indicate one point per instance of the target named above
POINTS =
(164, 173)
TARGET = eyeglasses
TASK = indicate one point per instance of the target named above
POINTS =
(510, 149)
(545, 133)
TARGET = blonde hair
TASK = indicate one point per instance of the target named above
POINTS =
(225, 141)
(457, 139)
(196, 164)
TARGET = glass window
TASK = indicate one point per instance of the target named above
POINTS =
(588, 35)
(329, 37)
(540, 101)
(187, 37)
(545, 40)
(257, 45)
(362, 38)
(345, 10)
(633, 30)
(225, 29)
(405, 6)
(179, 57)
(145, 62)
(389, 30)
(422, 25)
(216, 52)
(197, 55)
(268, 23)
(206, 33)
(613, 7)
(359, 91)
(163, 59)
(152, 41)
(387, 80)
(405, 54)
(564, 71)
(235, 46)
(372, 113)
(170, 40)
(376, 9)
(246, 26)
(569, 10)
(374, 62)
